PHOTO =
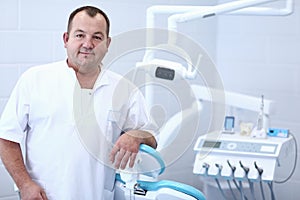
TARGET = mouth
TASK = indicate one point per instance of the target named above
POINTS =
(85, 53)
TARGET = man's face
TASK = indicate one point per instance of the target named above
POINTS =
(87, 42)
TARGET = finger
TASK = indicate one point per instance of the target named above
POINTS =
(132, 159)
(119, 158)
(113, 153)
(125, 159)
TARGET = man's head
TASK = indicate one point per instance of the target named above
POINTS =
(87, 38)
(92, 12)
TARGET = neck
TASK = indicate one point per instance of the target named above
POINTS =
(87, 80)
(86, 76)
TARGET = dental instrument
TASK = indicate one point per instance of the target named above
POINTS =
(248, 154)
(260, 171)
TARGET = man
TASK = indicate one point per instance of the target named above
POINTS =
(67, 114)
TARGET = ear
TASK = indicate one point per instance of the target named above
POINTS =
(108, 42)
(65, 38)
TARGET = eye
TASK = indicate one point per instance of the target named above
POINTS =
(79, 35)
(98, 37)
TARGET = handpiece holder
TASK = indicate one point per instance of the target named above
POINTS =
(260, 130)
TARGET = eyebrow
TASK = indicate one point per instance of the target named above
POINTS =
(96, 33)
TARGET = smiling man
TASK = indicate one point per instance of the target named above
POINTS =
(72, 116)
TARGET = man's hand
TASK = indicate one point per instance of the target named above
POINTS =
(127, 147)
(32, 191)
(12, 159)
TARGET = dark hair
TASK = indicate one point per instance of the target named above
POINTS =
(92, 12)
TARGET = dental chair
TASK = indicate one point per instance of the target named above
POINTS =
(141, 183)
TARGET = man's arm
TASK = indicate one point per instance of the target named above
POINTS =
(11, 156)
(144, 137)
(127, 147)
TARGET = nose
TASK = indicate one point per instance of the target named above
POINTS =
(88, 43)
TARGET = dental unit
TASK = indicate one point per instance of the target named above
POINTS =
(232, 158)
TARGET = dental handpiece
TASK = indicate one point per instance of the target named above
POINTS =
(233, 168)
(260, 170)
(206, 166)
(220, 167)
(240, 188)
(246, 169)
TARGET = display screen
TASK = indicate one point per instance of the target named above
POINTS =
(268, 149)
(229, 123)
(165, 73)
(211, 144)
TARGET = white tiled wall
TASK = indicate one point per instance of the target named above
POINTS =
(31, 33)
(259, 55)
(254, 55)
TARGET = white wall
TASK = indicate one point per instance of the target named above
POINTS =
(255, 55)
(31, 33)
(259, 55)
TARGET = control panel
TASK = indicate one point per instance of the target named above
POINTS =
(229, 155)
(238, 146)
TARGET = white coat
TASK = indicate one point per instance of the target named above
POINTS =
(64, 151)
